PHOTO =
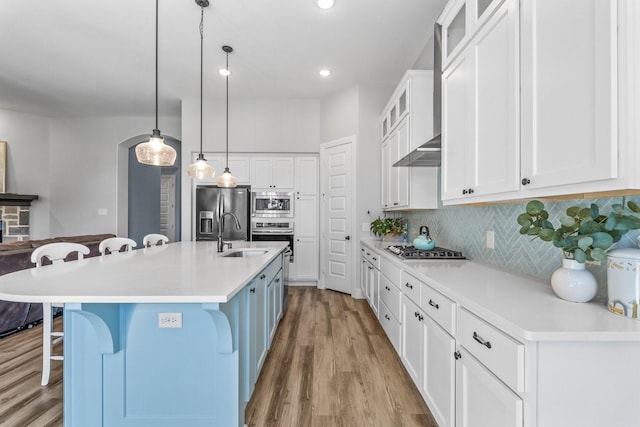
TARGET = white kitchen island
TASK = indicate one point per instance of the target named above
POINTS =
(170, 335)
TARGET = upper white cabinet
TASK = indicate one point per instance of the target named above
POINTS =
(481, 111)
(272, 173)
(569, 104)
(532, 109)
(306, 173)
(406, 123)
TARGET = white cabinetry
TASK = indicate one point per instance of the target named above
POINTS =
(481, 399)
(239, 166)
(306, 245)
(272, 173)
(533, 110)
(569, 103)
(481, 355)
(407, 123)
(480, 106)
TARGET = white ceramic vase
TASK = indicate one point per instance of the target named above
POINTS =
(573, 282)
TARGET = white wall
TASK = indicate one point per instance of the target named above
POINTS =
(84, 169)
(339, 115)
(372, 100)
(28, 164)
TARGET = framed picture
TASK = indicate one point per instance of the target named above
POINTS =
(3, 166)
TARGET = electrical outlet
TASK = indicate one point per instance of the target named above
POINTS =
(490, 239)
(366, 226)
(170, 320)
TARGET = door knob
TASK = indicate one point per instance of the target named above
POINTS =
(347, 238)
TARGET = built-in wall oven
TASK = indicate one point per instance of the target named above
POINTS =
(275, 230)
(272, 204)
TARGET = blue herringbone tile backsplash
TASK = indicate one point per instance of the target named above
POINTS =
(465, 228)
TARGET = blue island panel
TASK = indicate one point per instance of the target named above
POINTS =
(121, 369)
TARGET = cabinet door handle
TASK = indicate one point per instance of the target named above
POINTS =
(395, 203)
(252, 290)
(408, 285)
(373, 258)
(262, 276)
(464, 191)
(369, 267)
(471, 191)
(416, 314)
(388, 288)
(457, 355)
(433, 304)
(526, 181)
(348, 238)
(386, 316)
(278, 280)
(481, 340)
(420, 317)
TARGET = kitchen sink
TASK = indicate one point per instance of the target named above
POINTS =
(244, 253)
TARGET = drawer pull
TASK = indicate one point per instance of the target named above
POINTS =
(369, 267)
(408, 285)
(479, 339)
(420, 317)
(433, 304)
(416, 314)
(388, 288)
(457, 355)
(374, 258)
(262, 276)
(386, 316)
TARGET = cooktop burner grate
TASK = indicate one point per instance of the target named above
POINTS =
(411, 252)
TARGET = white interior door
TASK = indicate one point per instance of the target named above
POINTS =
(336, 211)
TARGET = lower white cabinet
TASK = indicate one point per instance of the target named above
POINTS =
(412, 340)
(438, 385)
(481, 398)
(306, 259)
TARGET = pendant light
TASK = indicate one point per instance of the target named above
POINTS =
(226, 179)
(156, 152)
(201, 169)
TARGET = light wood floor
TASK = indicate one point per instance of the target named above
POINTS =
(23, 402)
(330, 365)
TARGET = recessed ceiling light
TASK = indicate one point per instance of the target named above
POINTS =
(325, 73)
(224, 72)
(325, 4)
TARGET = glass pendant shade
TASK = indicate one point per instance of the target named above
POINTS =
(227, 180)
(200, 169)
(155, 152)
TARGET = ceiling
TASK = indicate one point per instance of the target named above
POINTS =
(69, 58)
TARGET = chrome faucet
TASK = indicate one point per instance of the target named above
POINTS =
(221, 242)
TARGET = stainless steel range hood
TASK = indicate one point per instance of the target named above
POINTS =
(429, 153)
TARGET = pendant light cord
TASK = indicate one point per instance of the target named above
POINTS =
(156, 64)
(201, 68)
(227, 110)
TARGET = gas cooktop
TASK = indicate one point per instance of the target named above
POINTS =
(410, 252)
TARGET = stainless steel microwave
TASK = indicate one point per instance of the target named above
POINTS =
(271, 204)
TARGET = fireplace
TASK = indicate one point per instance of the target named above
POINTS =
(14, 216)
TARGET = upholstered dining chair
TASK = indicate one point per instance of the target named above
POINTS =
(55, 253)
(116, 244)
(154, 239)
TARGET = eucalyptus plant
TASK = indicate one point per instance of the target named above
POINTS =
(584, 234)
(383, 226)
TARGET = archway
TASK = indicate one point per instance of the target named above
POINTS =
(148, 196)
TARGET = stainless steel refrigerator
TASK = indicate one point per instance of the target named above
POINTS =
(212, 202)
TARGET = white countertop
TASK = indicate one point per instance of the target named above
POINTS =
(181, 272)
(523, 307)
